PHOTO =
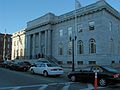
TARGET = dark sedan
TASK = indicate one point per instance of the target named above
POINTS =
(20, 66)
(105, 75)
(6, 64)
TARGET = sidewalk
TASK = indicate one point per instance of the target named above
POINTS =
(68, 68)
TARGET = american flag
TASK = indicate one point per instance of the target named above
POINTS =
(77, 4)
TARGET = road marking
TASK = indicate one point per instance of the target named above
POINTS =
(22, 86)
(91, 87)
(67, 85)
(43, 87)
(53, 83)
(16, 88)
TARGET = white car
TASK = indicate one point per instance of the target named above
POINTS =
(46, 69)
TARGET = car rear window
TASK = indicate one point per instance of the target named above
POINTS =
(51, 65)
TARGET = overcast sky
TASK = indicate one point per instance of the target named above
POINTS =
(14, 14)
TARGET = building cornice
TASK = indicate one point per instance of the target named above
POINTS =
(51, 19)
(20, 33)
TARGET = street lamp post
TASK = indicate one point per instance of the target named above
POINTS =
(73, 64)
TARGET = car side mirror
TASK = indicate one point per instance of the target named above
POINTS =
(33, 66)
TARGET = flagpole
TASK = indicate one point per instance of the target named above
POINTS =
(4, 46)
(74, 41)
(77, 6)
(75, 31)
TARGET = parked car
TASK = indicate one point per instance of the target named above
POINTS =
(20, 66)
(105, 75)
(1, 63)
(6, 63)
(46, 69)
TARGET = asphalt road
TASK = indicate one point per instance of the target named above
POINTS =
(14, 80)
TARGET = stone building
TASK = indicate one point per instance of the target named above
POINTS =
(18, 45)
(96, 26)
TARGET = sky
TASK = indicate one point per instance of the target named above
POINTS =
(14, 14)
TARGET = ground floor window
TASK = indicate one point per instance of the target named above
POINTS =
(80, 62)
(113, 62)
(69, 62)
(60, 62)
(92, 62)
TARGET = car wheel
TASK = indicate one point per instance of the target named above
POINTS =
(45, 73)
(102, 82)
(73, 78)
(32, 71)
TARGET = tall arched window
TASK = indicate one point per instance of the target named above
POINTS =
(118, 47)
(69, 51)
(60, 49)
(80, 47)
(92, 46)
(111, 46)
(21, 52)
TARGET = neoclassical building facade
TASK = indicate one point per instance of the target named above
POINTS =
(95, 30)
(18, 45)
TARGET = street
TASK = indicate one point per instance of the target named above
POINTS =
(14, 80)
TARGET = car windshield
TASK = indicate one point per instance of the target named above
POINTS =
(51, 65)
(86, 68)
(110, 69)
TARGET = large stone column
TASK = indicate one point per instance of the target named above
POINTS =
(49, 42)
(46, 33)
(33, 46)
(28, 47)
(39, 42)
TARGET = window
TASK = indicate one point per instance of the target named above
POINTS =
(110, 26)
(8, 46)
(111, 47)
(14, 43)
(118, 28)
(8, 39)
(92, 46)
(69, 62)
(69, 48)
(92, 62)
(61, 33)
(118, 47)
(43, 65)
(91, 25)
(80, 28)
(14, 54)
(60, 49)
(80, 62)
(70, 31)
(1, 38)
(60, 62)
(21, 52)
(80, 47)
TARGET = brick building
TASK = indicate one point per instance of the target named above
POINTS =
(8, 45)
